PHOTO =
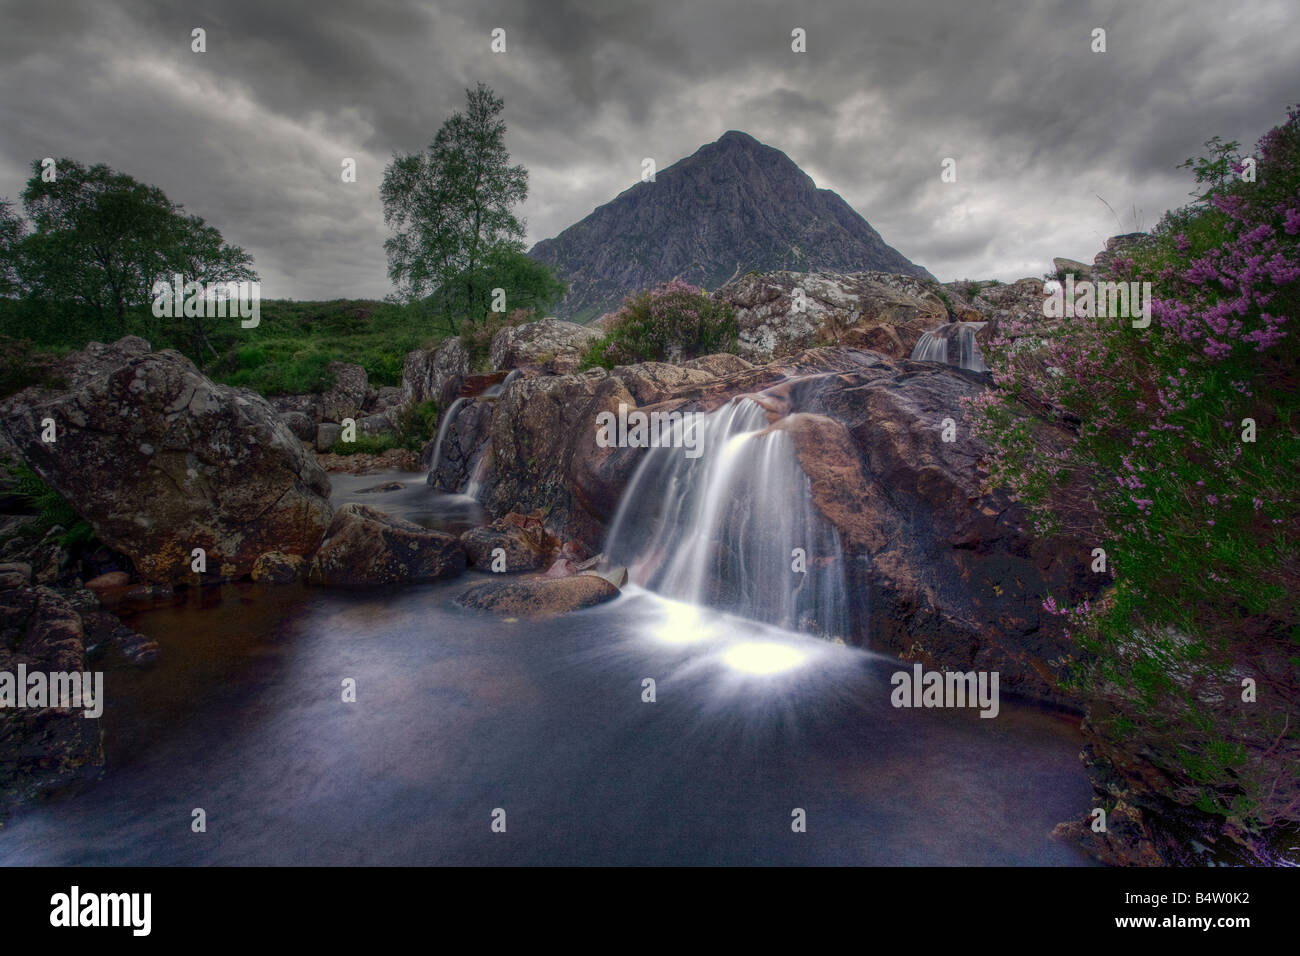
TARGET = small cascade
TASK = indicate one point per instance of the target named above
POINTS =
(447, 419)
(952, 344)
(478, 471)
(720, 529)
(494, 391)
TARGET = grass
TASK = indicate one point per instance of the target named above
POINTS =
(287, 353)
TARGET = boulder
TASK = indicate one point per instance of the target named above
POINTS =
(538, 598)
(365, 547)
(107, 583)
(435, 373)
(1064, 267)
(200, 465)
(327, 435)
(388, 397)
(304, 428)
(375, 424)
(15, 574)
(522, 538)
(306, 405)
(346, 398)
(1118, 247)
(276, 567)
(775, 321)
(719, 364)
(550, 344)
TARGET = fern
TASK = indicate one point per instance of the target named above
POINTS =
(51, 509)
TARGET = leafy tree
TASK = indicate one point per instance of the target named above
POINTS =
(450, 208)
(11, 234)
(102, 239)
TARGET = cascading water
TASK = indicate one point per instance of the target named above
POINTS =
(938, 346)
(447, 419)
(478, 470)
(721, 529)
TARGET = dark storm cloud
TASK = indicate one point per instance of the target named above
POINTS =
(251, 134)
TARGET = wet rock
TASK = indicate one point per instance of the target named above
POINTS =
(42, 748)
(112, 581)
(275, 567)
(461, 444)
(382, 488)
(15, 574)
(357, 463)
(365, 547)
(652, 382)
(550, 344)
(535, 598)
(522, 538)
(201, 465)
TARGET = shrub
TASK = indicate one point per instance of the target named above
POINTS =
(1199, 525)
(51, 509)
(477, 336)
(670, 323)
(413, 425)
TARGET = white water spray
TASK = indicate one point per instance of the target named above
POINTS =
(722, 529)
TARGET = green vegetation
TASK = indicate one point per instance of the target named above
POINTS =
(456, 239)
(1180, 463)
(96, 242)
(287, 353)
(50, 509)
(670, 323)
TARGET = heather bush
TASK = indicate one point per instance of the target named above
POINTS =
(670, 323)
(1185, 436)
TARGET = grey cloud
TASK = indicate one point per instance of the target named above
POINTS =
(250, 135)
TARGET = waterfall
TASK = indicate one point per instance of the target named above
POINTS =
(720, 529)
(478, 471)
(937, 346)
(447, 419)
(494, 391)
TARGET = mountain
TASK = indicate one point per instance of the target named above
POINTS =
(733, 206)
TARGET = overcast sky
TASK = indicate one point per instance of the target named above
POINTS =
(250, 135)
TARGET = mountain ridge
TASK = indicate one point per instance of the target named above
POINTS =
(732, 206)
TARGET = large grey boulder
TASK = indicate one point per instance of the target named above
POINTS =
(781, 313)
(161, 460)
(348, 396)
(549, 344)
(435, 373)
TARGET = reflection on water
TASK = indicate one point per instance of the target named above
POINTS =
(458, 714)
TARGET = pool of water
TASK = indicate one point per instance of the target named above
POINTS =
(459, 715)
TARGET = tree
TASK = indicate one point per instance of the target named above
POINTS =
(102, 239)
(450, 208)
(12, 230)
